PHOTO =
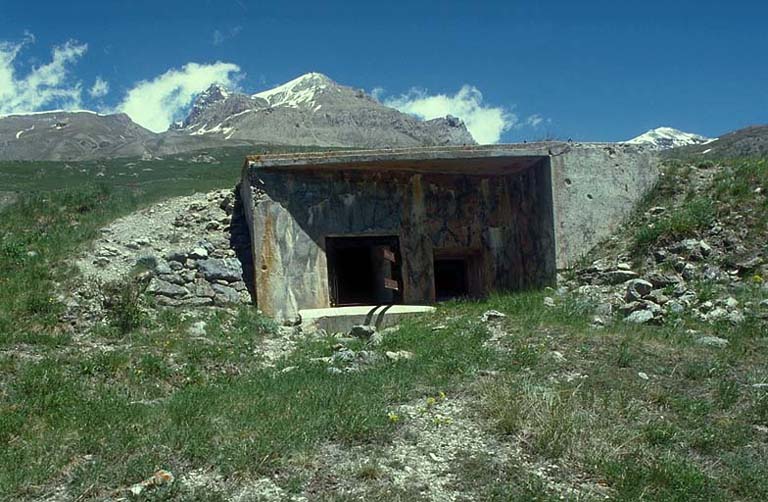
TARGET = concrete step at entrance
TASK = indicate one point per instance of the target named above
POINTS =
(342, 319)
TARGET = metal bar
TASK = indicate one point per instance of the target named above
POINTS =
(391, 284)
(388, 255)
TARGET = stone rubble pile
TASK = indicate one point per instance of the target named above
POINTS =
(188, 252)
(670, 284)
(207, 273)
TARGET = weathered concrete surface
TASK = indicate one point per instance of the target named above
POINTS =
(595, 188)
(342, 319)
(523, 209)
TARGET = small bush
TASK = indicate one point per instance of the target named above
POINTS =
(122, 300)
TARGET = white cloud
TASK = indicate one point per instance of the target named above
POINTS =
(219, 37)
(45, 86)
(99, 89)
(534, 120)
(157, 103)
(485, 123)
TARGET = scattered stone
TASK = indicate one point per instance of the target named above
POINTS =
(162, 268)
(173, 279)
(225, 295)
(198, 253)
(604, 309)
(630, 307)
(675, 306)
(176, 256)
(492, 315)
(400, 355)
(750, 265)
(735, 317)
(712, 341)
(716, 314)
(640, 317)
(643, 375)
(165, 288)
(619, 276)
(658, 296)
(197, 329)
(101, 261)
(227, 269)
(203, 289)
(362, 331)
(637, 289)
(662, 280)
(160, 478)
(549, 301)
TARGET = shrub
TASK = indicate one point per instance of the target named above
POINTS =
(122, 300)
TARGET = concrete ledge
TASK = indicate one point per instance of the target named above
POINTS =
(342, 319)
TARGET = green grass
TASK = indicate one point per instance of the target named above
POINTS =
(94, 416)
(734, 189)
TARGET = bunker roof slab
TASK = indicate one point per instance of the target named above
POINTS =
(475, 159)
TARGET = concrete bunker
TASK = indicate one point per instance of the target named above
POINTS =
(414, 226)
(404, 227)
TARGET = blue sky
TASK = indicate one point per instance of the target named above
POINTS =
(589, 70)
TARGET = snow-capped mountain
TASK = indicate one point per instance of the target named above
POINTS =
(664, 138)
(314, 110)
(311, 110)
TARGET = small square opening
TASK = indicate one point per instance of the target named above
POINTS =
(451, 278)
(363, 270)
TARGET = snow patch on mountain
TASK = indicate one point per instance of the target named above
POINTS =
(299, 92)
(664, 138)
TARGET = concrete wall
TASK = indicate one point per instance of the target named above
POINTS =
(595, 188)
(506, 219)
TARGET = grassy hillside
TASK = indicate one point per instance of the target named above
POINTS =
(148, 179)
(537, 404)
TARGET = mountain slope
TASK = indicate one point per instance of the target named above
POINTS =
(79, 135)
(748, 142)
(664, 138)
(314, 110)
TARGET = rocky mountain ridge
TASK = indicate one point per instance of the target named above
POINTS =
(314, 110)
(311, 110)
